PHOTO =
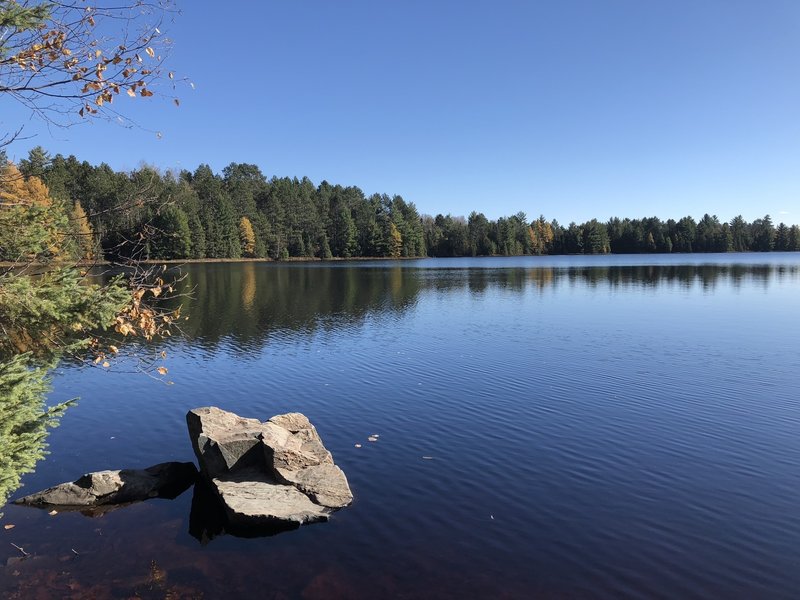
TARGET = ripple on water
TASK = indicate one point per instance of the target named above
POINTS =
(604, 435)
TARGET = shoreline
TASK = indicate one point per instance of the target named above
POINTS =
(354, 259)
(183, 261)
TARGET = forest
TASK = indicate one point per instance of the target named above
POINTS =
(240, 213)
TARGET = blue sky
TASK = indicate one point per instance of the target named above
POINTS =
(572, 108)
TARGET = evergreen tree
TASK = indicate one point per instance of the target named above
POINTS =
(595, 238)
(36, 164)
(762, 233)
(781, 238)
(478, 235)
(24, 420)
(173, 235)
(740, 236)
(794, 238)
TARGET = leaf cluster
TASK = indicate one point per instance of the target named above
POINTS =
(69, 60)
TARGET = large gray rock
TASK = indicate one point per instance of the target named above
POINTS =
(277, 471)
(223, 441)
(165, 480)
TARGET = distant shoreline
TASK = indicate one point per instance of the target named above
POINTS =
(355, 259)
(181, 261)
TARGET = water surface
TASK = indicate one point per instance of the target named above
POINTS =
(582, 427)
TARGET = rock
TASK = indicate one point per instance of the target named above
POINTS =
(275, 472)
(251, 498)
(223, 441)
(294, 422)
(165, 480)
(326, 484)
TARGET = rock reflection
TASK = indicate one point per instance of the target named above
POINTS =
(207, 519)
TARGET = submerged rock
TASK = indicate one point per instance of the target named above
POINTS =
(165, 480)
(276, 472)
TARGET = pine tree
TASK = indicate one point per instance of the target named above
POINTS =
(24, 420)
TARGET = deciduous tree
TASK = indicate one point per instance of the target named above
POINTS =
(247, 237)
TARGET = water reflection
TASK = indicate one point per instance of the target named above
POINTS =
(627, 429)
(251, 302)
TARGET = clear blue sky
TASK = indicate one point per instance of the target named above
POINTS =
(571, 108)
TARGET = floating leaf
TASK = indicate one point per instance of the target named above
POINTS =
(106, 364)
(150, 52)
(9, 526)
(162, 370)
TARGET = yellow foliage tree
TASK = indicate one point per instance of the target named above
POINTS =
(84, 233)
(395, 241)
(31, 225)
(247, 237)
(16, 190)
(541, 234)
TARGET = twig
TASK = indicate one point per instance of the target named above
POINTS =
(22, 550)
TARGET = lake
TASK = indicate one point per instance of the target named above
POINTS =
(550, 427)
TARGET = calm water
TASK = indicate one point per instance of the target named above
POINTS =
(594, 428)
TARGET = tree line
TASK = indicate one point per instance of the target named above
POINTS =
(241, 213)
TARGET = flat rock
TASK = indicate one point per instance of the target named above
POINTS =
(165, 480)
(250, 498)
